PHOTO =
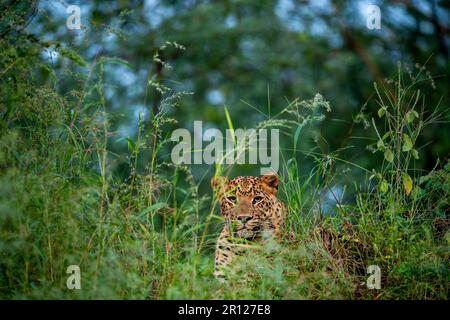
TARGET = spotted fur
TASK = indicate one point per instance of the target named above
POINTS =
(251, 209)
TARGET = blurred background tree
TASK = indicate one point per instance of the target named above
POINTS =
(258, 53)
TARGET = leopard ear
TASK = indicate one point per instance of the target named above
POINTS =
(270, 182)
(219, 183)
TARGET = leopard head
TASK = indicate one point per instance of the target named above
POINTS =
(247, 203)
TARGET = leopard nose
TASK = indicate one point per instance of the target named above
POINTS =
(244, 218)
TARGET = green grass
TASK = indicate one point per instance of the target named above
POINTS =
(150, 235)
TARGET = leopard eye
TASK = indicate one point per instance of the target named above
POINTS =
(232, 199)
(257, 199)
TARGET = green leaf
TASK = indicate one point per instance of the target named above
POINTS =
(407, 183)
(153, 207)
(297, 135)
(292, 169)
(384, 186)
(388, 155)
(381, 112)
(131, 144)
(116, 60)
(72, 55)
(230, 123)
(387, 134)
(407, 143)
(415, 154)
(380, 145)
(410, 115)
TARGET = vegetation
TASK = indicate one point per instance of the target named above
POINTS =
(141, 227)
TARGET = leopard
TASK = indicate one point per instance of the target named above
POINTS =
(251, 211)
